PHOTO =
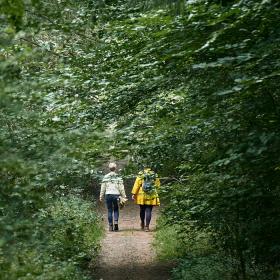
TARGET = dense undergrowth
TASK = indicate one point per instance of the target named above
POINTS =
(195, 256)
(57, 242)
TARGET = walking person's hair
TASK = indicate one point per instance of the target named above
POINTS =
(112, 166)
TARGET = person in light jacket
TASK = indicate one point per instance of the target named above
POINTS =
(146, 198)
(112, 187)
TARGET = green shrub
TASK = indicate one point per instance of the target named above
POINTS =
(76, 229)
(62, 240)
(167, 244)
(192, 250)
(202, 268)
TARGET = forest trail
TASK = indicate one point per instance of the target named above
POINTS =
(128, 253)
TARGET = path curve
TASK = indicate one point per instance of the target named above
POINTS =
(128, 253)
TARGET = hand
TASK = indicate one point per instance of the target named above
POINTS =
(133, 197)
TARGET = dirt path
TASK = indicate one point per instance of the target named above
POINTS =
(128, 254)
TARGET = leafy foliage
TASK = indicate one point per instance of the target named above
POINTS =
(49, 151)
(63, 235)
(191, 87)
(196, 94)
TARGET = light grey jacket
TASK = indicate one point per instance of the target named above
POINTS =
(112, 184)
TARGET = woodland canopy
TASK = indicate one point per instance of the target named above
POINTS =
(192, 87)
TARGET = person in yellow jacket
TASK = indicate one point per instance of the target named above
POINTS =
(145, 194)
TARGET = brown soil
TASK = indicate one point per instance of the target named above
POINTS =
(128, 253)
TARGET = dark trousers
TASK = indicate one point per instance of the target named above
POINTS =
(113, 207)
(146, 212)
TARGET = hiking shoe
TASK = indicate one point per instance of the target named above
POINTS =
(147, 228)
(116, 227)
(110, 227)
(142, 225)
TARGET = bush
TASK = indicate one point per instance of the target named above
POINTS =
(62, 240)
(191, 249)
(202, 268)
(167, 244)
(75, 230)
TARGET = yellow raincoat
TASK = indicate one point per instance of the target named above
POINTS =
(141, 197)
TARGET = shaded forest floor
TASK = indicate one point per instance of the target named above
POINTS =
(128, 253)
